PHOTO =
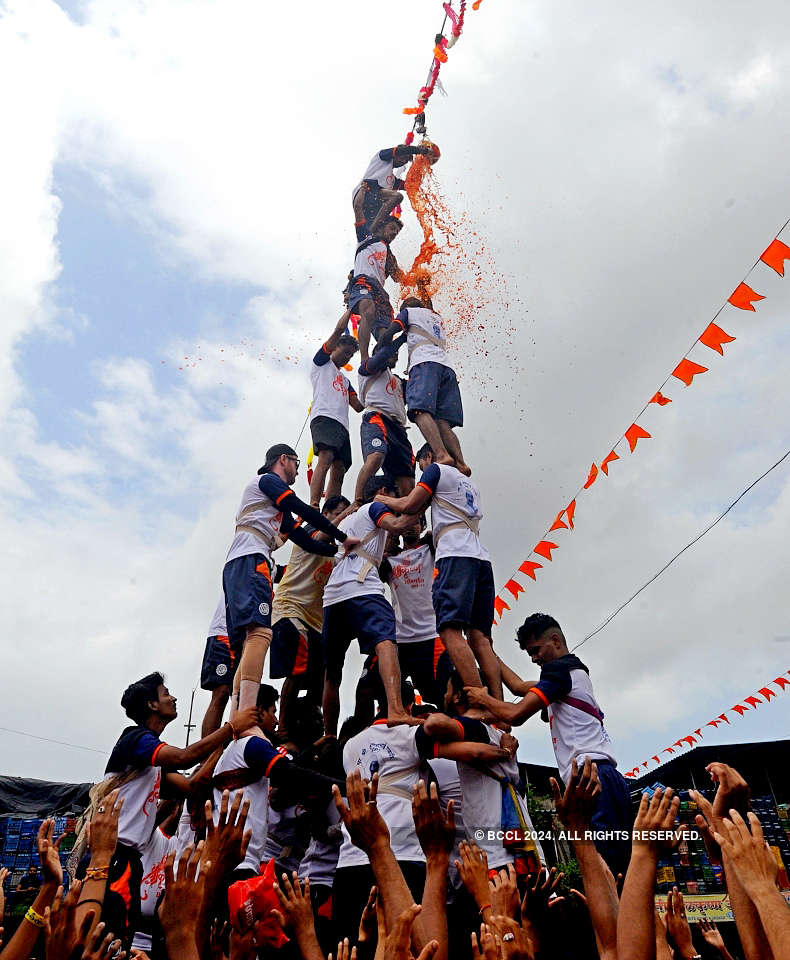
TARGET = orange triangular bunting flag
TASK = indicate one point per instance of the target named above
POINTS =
(558, 523)
(605, 464)
(775, 256)
(500, 605)
(514, 587)
(591, 477)
(659, 398)
(570, 510)
(635, 433)
(530, 566)
(686, 370)
(743, 297)
(714, 337)
(544, 548)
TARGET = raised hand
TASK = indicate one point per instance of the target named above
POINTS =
(61, 933)
(486, 948)
(747, 854)
(227, 841)
(49, 855)
(180, 909)
(296, 909)
(537, 898)
(512, 940)
(101, 946)
(711, 935)
(435, 832)
(575, 807)
(103, 829)
(505, 900)
(368, 923)
(396, 944)
(657, 815)
(473, 870)
(678, 925)
(343, 953)
(361, 817)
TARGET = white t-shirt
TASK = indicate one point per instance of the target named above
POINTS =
(371, 261)
(283, 841)
(415, 319)
(261, 513)
(342, 582)
(383, 392)
(137, 748)
(257, 792)
(153, 883)
(320, 860)
(218, 627)
(411, 580)
(574, 733)
(392, 753)
(451, 485)
(448, 784)
(483, 804)
(330, 390)
(382, 171)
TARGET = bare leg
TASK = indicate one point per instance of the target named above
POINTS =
(453, 446)
(212, 720)
(288, 695)
(489, 662)
(336, 473)
(331, 705)
(367, 316)
(372, 463)
(389, 671)
(404, 485)
(323, 462)
(462, 656)
(250, 670)
(390, 200)
(430, 430)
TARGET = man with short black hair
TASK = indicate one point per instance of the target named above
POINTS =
(564, 695)
(297, 615)
(378, 192)
(332, 396)
(264, 515)
(355, 605)
(217, 670)
(135, 769)
(373, 263)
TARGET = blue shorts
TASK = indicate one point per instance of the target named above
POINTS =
(247, 582)
(219, 664)
(369, 619)
(463, 594)
(363, 288)
(382, 435)
(433, 388)
(429, 666)
(612, 812)
(295, 650)
(371, 204)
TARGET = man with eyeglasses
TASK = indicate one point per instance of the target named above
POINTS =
(263, 520)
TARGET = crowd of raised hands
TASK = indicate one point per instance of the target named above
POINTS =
(518, 917)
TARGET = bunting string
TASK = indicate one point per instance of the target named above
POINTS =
(751, 702)
(713, 338)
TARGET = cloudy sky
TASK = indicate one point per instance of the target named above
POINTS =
(175, 187)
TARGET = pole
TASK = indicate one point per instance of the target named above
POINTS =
(189, 725)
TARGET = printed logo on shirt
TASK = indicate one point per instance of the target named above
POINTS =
(339, 384)
(323, 573)
(263, 609)
(222, 669)
(392, 386)
(154, 880)
(376, 258)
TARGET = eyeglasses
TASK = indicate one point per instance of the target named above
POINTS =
(296, 460)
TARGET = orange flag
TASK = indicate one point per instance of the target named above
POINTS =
(767, 692)
(605, 463)
(743, 296)
(686, 370)
(558, 523)
(659, 398)
(591, 477)
(530, 566)
(714, 337)
(514, 587)
(500, 605)
(775, 256)
(570, 510)
(635, 433)
(544, 548)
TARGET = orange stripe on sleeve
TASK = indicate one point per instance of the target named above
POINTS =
(272, 763)
(540, 694)
(425, 487)
(463, 732)
(156, 754)
(282, 496)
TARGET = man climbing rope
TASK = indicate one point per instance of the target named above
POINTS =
(373, 263)
(378, 190)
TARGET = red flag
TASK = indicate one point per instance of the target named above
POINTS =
(775, 255)
(739, 709)
(782, 682)
(558, 523)
(500, 605)
(657, 759)
(609, 459)
(686, 370)
(591, 477)
(530, 566)
(634, 434)
(667, 750)
(715, 338)
(544, 548)
(743, 296)
(753, 701)
(659, 398)
(689, 739)
(514, 587)
(767, 693)
(571, 512)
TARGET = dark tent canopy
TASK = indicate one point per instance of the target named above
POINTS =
(20, 797)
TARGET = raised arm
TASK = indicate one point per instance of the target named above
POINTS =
(414, 503)
(513, 681)
(284, 498)
(298, 535)
(382, 356)
(512, 713)
(178, 758)
(337, 333)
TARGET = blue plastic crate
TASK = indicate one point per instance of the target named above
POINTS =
(11, 844)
